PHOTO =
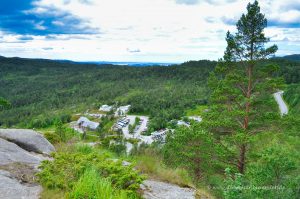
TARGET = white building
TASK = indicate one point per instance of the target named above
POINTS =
(84, 122)
(183, 123)
(160, 135)
(196, 118)
(123, 110)
(105, 108)
(96, 115)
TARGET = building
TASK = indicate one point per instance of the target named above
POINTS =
(95, 115)
(84, 122)
(123, 110)
(195, 118)
(105, 108)
(183, 123)
(160, 135)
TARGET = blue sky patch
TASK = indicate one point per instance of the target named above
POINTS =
(20, 17)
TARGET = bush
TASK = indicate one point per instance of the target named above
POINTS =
(53, 138)
(119, 148)
(46, 121)
(68, 167)
(84, 148)
(272, 175)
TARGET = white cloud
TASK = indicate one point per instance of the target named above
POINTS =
(156, 30)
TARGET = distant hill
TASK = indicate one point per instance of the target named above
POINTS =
(294, 57)
(101, 63)
(136, 64)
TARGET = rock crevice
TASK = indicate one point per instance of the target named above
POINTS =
(21, 152)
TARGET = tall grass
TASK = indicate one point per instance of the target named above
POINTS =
(152, 164)
(84, 148)
(92, 186)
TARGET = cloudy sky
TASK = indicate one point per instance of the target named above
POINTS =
(135, 30)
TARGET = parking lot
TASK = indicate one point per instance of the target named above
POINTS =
(140, 128)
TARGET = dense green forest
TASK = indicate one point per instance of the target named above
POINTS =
(40, 90)
(242, 148)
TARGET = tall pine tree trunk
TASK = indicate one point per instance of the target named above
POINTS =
(242, 159)
(243, 148)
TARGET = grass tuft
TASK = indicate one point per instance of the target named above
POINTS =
(92, 186)
(154, 167)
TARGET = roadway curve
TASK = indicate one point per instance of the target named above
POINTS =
(282, 105)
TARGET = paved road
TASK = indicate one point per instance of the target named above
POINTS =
(282, 105)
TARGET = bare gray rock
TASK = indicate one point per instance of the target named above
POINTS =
(153, 189)
(11, 153)
(21, 151)
(28, 140)
(11, 188)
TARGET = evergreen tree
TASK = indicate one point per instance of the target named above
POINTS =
(4, 103)
(241, 100)
(191, 148)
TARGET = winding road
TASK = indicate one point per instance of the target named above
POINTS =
(282, 105)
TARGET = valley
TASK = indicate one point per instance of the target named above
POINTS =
(154, 130)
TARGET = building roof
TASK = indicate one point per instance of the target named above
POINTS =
(196, 118)
(182, 123)
(85, 122)
(105, 108)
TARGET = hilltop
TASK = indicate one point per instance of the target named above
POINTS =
(294, 57)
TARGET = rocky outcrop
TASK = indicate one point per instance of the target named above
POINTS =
(28, 140)
(21, 151)
(11, 153)
(12, 188)
(153, 189)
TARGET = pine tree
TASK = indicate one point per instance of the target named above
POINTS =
(4, 103)
(242, 84)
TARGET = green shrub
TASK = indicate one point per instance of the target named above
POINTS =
(53, 138)
(272, 175)
(119, 148)
(68, 167)
(44, 121)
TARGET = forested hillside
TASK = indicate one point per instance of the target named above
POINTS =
(295, 57)
(42, 89)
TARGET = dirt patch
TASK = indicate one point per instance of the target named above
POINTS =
(22, 172)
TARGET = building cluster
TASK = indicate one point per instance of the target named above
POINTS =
(124, 120)
(84, 123)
